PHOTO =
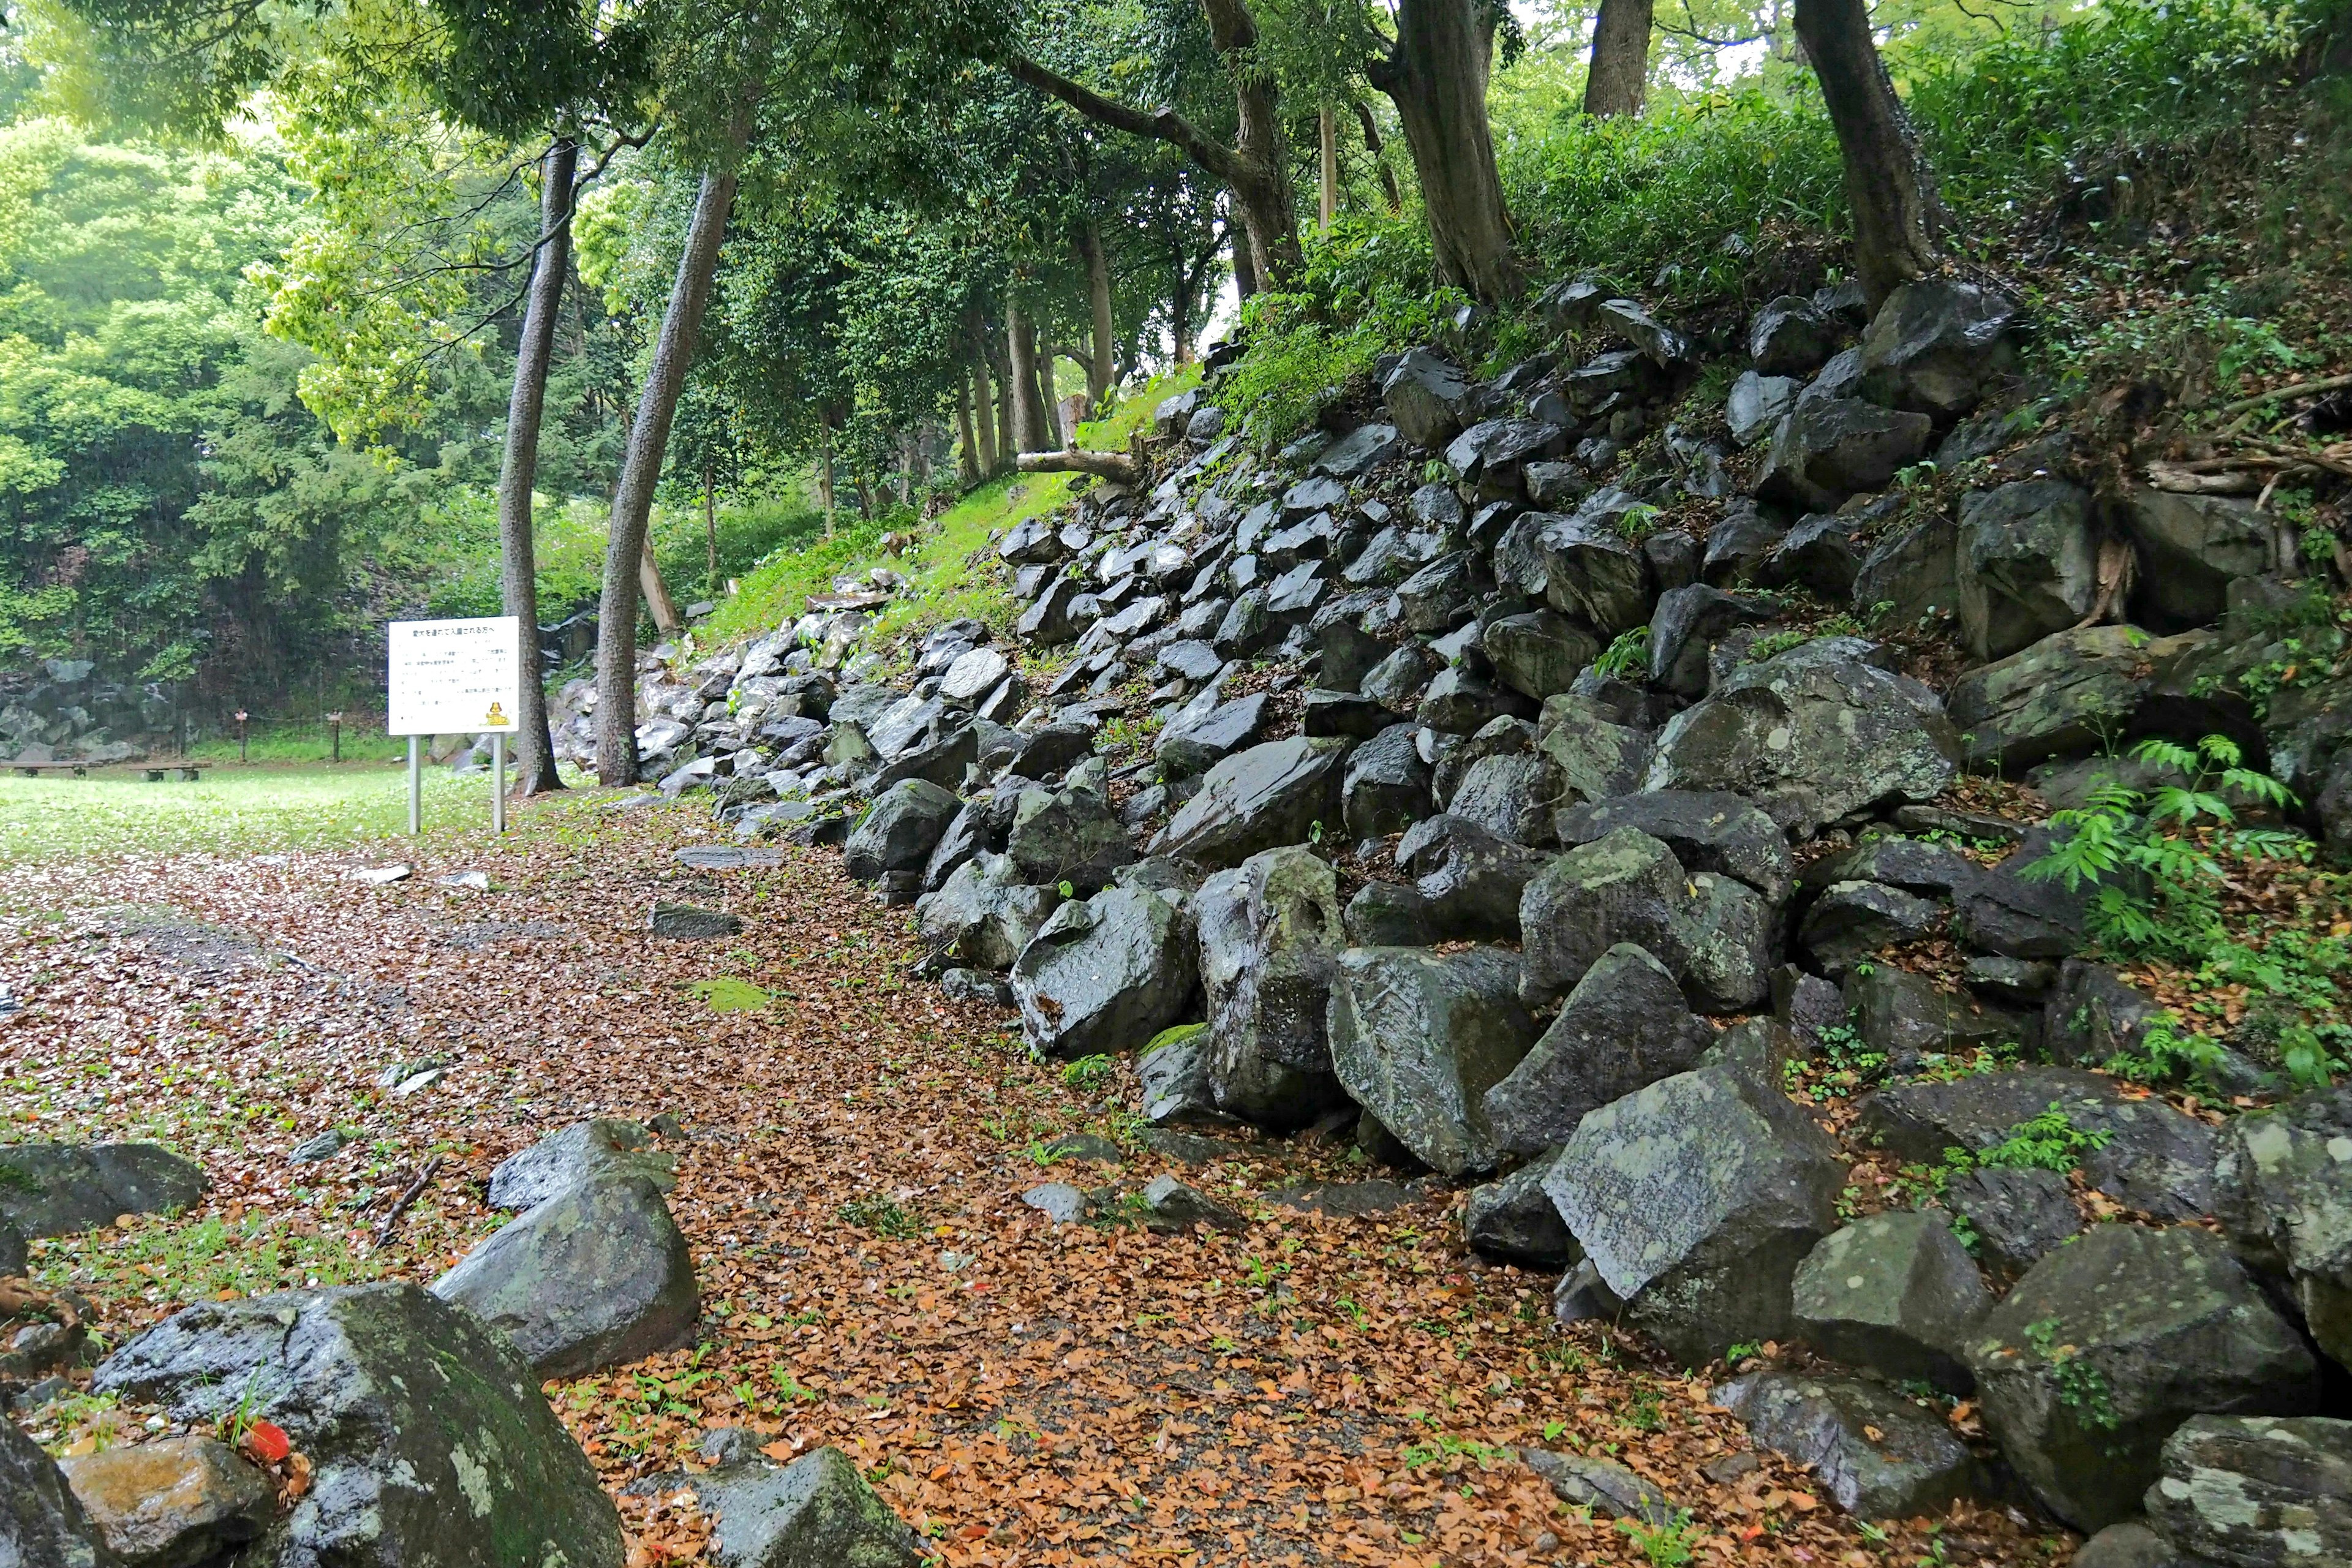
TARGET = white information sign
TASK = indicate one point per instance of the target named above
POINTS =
(454, 678)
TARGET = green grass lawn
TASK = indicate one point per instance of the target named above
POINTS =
(231, 810)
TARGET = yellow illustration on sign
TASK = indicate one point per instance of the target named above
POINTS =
(497, 720)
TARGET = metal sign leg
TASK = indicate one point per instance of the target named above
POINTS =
(416, 785)
(498, 781)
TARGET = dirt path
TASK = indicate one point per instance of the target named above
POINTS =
(1317, 1389)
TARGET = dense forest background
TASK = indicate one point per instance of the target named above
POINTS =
(255, 357)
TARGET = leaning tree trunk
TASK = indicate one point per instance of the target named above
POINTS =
(1102, 369)
(1887, 184)
(1389, 192)
(518, 557)
(661, 604)
(1436, 75)
(968, 453)
(1620, 76)
(632, 497)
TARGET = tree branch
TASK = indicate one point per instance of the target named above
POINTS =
(1162, 125)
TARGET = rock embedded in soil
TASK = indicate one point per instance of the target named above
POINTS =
(685, 922)
(55, 1189)
(1513, 1221)
(175, 1502)
(2019, 1216)
(1106, 973)
(1608, 1490)
(427, 1436)
(1173, 1208)
(1418, 1037)
(560, 1161)
(1894, 1293)
(1878, 1454)
(816, 1512)
(596, 1276)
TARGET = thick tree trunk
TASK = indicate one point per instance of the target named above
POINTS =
(1896, 216)
(968, 451)
(632, 497)
(535, 771)
(984, 419)
(1102, 369)
(1245, 262)
(1389, 190)
(1436, 75)
(1118, 466)
(1021, 350)
(1619, 78)
(1326, 203)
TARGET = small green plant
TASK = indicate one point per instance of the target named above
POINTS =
(1639, 520)
(1840, 624)
(1667, 1545)
(1628, 654)
(1088, 1075)
(726, 994)
(2155, 834)
(2081, 1387)
(2049, 1142)
(883, 1216)
(1646, 1413)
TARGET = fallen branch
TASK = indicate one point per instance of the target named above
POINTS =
(1117, 467)
(2328, 460)
(2296, 392)
(400, 1205)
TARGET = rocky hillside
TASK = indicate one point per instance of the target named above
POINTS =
(1818, 851)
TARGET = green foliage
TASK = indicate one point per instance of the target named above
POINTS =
(725, 994)
(1627, 655)
(181, 1261)
(2081, 1387)
(2047, 1141)
(2125, 834)
(883, 1216)
(1665, 1545)
(1089, 1075)
(1840, 624)
(228, 812)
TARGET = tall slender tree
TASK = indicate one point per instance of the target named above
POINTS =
(1619, 78)
(1896, 215)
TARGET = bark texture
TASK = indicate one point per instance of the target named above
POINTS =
(1327, 132)
(1102, 367)
(1436, 75)
(1371, 129)
(632, 499)
(535, 770)
(968, 471)
(1620, 76)
(1021, 349)
(1896, 216)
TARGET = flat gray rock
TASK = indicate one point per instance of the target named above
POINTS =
(55, 1189)
(1878, 1454)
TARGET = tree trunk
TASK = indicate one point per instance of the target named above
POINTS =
(709, 534)
(1379, 158)
(1326, 127)
(984, 419)
(1179, 313)
(1051, 404)
(1889, 186)
(1021, 350)
(824, 474)
(535, 771)
(1619, 78)
(968, 452)
(1436, 75)
(1245, 262)
(626, 551)
(1102, 370)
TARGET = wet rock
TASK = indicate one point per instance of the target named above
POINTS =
(1599, 756)
(1933, 346)
(1461, 702)
(1878, 1454)
(429, 1440)
(2019, 1216)
(1696, 1198)
(1050, 750)
(1624, 1026)
(1818, 555)
(1513, 1221)
(1470, 882)
(2132, 1545)
(2063, 694)
(1067, 836)
(1262, 798)
(1711, 931)
(985, 914)
(1424, 397)
(1538, 653)
(1789, 337)
(2155, 1159)
(899, 830)
(2013, 915)
(1758, 1048)
(1174, 1071)
(1417, 1037)
(2256, 1489)
(42, 1523)
(1811, 735)
(595, 1275)
(1896, 1293)
(176, 1502)
(1852, 921)
(1365, 447)
(2109, 1344)
(1829, 447)
(2028, 565)
(815, 1512)
(1397, 681)
(1737, 546)
(1200, 738)
(1757, 403)
(55, 1189)
(1106, 975)
(685, 922)
(1689, 623)
(1171, 1208)
(1385, 787)
(1344, 713)
(1511, 795)
(2193, 547)
(1610, 1490)
(1346, 1200)
(2283, 1191)
(1913, 572)
(580, 1152)
(1706, 831)
(1270, 936)
(1660, 346)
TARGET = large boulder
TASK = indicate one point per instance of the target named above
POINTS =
(1510, 794)
(1908, 1020)
(2019, 1216)
(596, 1276)
(1513, 1221)
(2194, 548)
(899, 831)
(1067, 836)
(1270, 938)
(1584, 564)
(1712, 932)
(427, 1437)
(55, 1189)
(1385, 787)
(984, 914)
(1417, 1039)
(1262, 798)
(1791, 336)
(2111, 1342)
(2028, 565)
(2065, 695)
(1470, 881)
(1756, 404)
(1896, 1293)
(1707, 831)
(1539, 653)
(2282, 1191)
(1199, 736)
(2153, 1158)
(1696, 1199)
(1688, 624)
(42, 1523)
(1876, 1451)
(815, 1512)
(1105, 974)
(1624, 1026)
(1811, 735)
(1599, 755)
(1424, 397)
(2257, 1491)
(175, 1501)
(1828, 448)
(1934, 345)
(1913, 572)
(603, 1146)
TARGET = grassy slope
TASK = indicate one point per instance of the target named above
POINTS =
(949, 574)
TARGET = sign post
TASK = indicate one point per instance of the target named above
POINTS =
(447, 677)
